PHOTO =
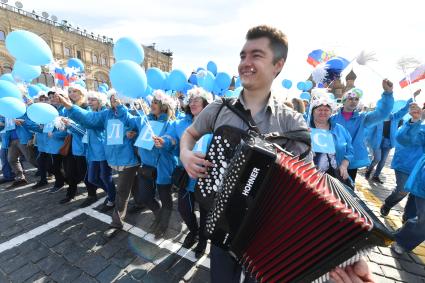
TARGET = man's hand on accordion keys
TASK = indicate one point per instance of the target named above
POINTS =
(195, 164)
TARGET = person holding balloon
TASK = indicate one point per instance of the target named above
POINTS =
(157, 163)
(197, 100)
(356, 122)
(8, 175)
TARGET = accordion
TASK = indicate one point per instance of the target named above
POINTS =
(279, 217)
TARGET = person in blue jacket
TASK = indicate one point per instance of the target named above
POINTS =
(8, 175)
(406, 155)
(412, 233)
(120, 153)
(197, 99)
(336, 163)
(74, 163)
(381, 139)
(355, 122)
(157, 163)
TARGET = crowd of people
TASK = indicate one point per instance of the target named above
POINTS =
(148, 144)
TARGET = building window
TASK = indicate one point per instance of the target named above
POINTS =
(2, 35)
(94, 59)
(67, 51)
(103, 60)
(79, 54)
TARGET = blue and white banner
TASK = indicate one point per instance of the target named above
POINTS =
(145, 140)
(114, 132)
(202, 144)
(322, 141)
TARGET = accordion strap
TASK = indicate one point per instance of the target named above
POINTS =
(245, 115)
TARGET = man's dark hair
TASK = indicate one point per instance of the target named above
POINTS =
(278, 40)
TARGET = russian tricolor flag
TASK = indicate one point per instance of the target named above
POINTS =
(417, 75)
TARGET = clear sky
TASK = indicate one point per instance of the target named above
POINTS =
(200, 31)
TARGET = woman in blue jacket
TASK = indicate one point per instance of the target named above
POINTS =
(198, 99)
(381, 139)
(119, 153)
(355, 122)
(157, 163)
(337, 162)
(406, 155)
(412, 233)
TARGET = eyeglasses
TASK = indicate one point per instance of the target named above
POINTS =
(195, 100)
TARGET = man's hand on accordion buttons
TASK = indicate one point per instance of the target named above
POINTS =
(195, 164)
(359, 272)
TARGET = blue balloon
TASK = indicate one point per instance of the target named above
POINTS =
(29, 48)
(212, 67)
(11, 107)
(42, 113)
(187, 87)
(102, 89)
(8, 77)
(43, 87)
(76, 63)
(167, 82)
(105, 85)
(8, 89)
(177, 80)
(206, 80)
(301, 85)
(237, 91)
(148, 91)
(80, 82)
(308, 85)
(230, 93)
(33, 90)
(127, 48)
(24, 72)
(305, 95)
(337, 63)
(156, 78)
(287, 84)
(216, 90)
(128, 78)
(223, 80)
(193, 79)
(200, 69)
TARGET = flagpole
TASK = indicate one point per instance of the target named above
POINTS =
(409, 82)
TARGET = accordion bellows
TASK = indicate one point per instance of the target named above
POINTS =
(278, 216)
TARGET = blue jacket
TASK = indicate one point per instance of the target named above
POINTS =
(5, 137)
(343, 146)
(413, 134)
(24, 132)
(357, 124)
(78, 148)
(375, 133)
(55, 142)
(409, 148)
(41, 141)
(162, 159)
(116, 155)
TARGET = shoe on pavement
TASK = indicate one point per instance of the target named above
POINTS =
(384, 210)
(135, 209)
(200, 248)
(111, 232)
(190, 240)
(395, 247)
(108, 206)
(376, 179)
(54, 190)
(17, 183)
(65, 200)
(88, 201)
(39, 185)
(367, 174)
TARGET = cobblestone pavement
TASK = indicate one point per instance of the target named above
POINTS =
(44, 241)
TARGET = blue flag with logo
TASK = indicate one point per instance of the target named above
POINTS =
(114, 132)
(322, 141)
(202, 144)
(144, 140)
(48, 128)
(9, 124)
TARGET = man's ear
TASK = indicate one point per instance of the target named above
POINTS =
(278, 66)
